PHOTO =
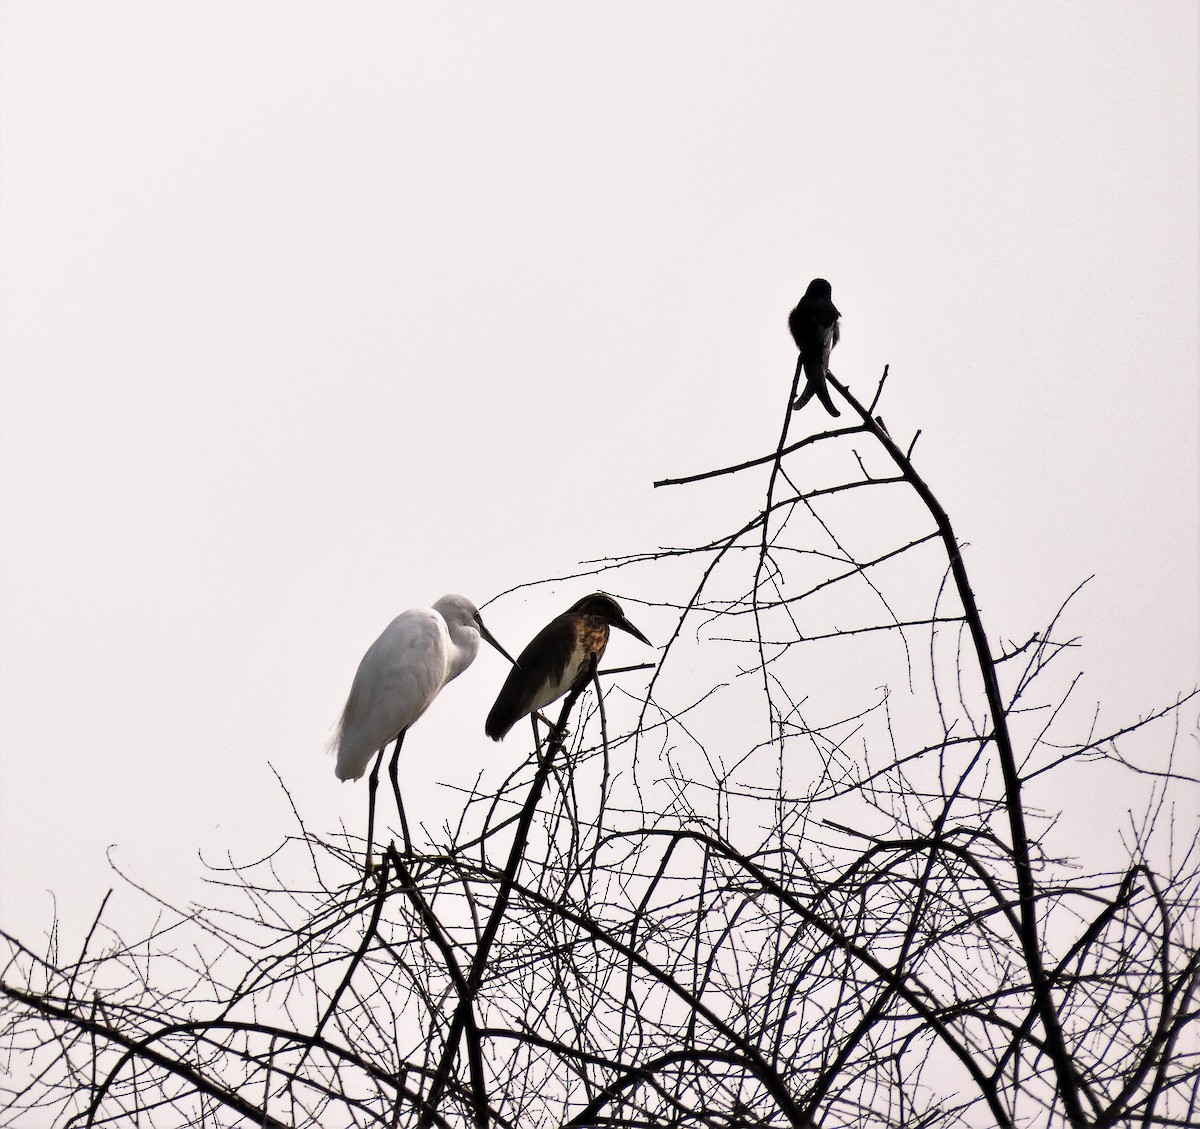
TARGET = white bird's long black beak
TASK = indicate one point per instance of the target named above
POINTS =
(486, 634)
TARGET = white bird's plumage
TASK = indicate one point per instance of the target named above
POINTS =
(402, 672)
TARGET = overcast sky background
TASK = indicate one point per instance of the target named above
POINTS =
(311, 314)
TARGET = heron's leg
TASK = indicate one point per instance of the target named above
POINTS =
(603, 719)
(372, 784)
(394, 772)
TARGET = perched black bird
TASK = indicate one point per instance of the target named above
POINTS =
(559, 658)
(814, 326)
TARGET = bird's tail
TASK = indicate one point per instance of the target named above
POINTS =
(505, 713)
(815, 374)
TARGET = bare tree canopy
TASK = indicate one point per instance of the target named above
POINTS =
(825, 887)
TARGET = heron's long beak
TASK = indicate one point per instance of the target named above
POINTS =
(625, 625)
(486, 634)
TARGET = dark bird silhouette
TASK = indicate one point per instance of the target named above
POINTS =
(559, 658)
(814, 326)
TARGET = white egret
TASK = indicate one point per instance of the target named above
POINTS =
(559, 657)
(402, 672)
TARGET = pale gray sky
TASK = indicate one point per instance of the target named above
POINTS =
(313, 313)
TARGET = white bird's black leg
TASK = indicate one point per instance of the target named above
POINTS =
(372, 784)
(394, 773)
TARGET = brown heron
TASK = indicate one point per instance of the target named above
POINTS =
(560, 658)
